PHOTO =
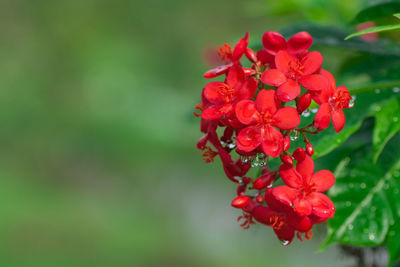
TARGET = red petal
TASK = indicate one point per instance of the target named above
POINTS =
(290, 176)
(286, 118)
(263, 214)
(312, 62)
(216, 111)
(323, 180)
(323, 207)
(338, 119)
(283, 61)
(240, 47)
(285, 233)
(248, 89)
(246, 112)
(211, 92)
(288, 91)
(302, 207)
(299, 42)
(285, 194)
(305, 167)
(217, 71)
(304, 102)
(331, 79)
(314, 82)
(235, 77)
(249, 138)
(266, 101)
(273, 42)
(273, 77)
(323, 117)
(302, 224)
(272, 141)
(266, 58)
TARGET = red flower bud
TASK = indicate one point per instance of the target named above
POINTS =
(246, 180)
(303, 103)
(240, 202)
(264, 181)
(309, 149)
(251, 55)
(260, 199)
(299, 154)
(249, 72)
(287, 159)
(201, 144)
(286, 143)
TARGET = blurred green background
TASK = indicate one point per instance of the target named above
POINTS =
(98, 160)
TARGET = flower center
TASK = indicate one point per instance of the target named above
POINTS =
(340, 99)
(295, 70)
(266, 118)
(308, 189)
(226, 92)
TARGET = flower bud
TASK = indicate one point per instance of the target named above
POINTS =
(309, 149)
(264, 181)
(251, 55)
(303, 103)
(299, 154)
(287, 159)
(260, 199)
(286, 143)
(240, 201)
(249, 72)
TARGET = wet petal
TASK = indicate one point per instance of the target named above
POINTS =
(266, 101)
(249, 138)
(246, 112)
(312, 62)
(273, 42)
(287, 118)
(216, 111)
(338, 119)
(322, 206)
(323, 179)
(288, 91)
(299, 42)
(305, 167)
(290, 176)
(273, 77)
(314, 82)
(285, 194)
(272, 141)
(323, 117)
(302, 207)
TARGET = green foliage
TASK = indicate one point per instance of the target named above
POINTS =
(374, 29)
(378, 10)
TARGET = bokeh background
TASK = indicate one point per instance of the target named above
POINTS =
(98, 165)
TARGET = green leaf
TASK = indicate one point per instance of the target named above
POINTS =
(374, 29)
(379, 10)
(386, 126)
(397, 15)
(362, 195)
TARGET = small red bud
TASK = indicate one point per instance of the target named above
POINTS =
(309, 149)
(287, 159)
(260, 199)
(201, 144)
(246, 180)
(303, 103)
(240, 202)
(286, 143)
(251, 55)
(264, 181)
(299, 154)
(249, 72)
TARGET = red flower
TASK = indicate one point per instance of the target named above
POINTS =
(231, 56)
(292, 70)
(303, 189)
(332, 100)
(223, 96)
(262, 115)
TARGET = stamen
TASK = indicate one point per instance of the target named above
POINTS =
(209, 154)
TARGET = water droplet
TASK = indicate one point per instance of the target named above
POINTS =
(396, 89)
(306, 113)
(351, 103)
(350, 226)
(294, 135)
(348, 203)
(377, 91)
(371, 236)
(314, 110)
(285, 242)
(395, 119)
(258, 160)
(244, 159)
(363, 185)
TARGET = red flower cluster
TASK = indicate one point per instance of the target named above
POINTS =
(258, 109)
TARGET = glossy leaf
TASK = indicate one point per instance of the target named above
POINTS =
(386, 126)
(374, 29)
(378, 10)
